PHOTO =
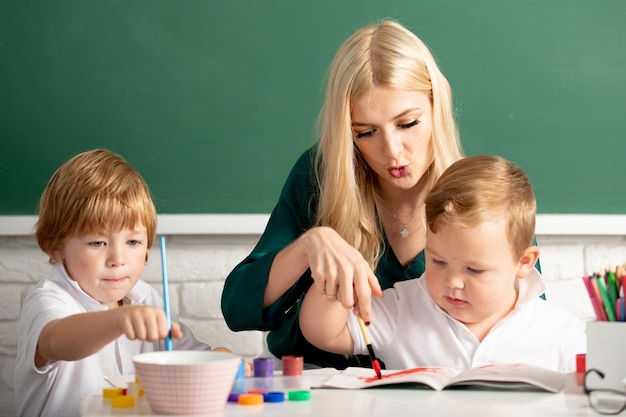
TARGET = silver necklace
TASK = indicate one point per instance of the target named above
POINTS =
(405, 231)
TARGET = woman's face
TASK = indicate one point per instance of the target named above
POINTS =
(393, 131)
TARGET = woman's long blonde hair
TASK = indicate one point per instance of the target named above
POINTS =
(384, 55)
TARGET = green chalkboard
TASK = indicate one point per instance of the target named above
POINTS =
(212, 101)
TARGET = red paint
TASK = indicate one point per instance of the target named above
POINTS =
(399, 373)
(376, 366)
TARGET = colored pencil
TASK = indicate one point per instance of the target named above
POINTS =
(612, 287)
(595, 303)
(604, 293)
(593, 280)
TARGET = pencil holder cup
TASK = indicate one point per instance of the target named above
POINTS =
(605, 345)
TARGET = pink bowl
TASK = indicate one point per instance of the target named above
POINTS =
(186, 382)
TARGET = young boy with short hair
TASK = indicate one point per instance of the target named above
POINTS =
(97, 222)
(478, 301)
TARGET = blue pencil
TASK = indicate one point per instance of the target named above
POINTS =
(166, 298)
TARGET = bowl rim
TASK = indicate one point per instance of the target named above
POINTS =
(182, 357)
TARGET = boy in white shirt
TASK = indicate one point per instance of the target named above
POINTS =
(96, 221)
(478, 301)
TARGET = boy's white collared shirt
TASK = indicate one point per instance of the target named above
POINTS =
(57, 388)
(409, 330)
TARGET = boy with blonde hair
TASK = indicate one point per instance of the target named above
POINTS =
(478, 301)
(97, 222)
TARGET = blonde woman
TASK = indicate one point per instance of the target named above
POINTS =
(350, 219)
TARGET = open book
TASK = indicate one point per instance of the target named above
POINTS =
(513, 376)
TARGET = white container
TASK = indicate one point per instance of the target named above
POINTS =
(606, 352)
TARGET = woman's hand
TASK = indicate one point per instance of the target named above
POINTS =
(340, 271)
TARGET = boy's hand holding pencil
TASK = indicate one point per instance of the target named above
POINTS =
(146, 323)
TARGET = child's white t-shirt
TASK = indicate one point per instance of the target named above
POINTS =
(409, 330)
(58, 388)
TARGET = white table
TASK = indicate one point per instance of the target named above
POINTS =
(395, 402)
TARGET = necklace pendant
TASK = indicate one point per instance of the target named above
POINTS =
(404, 233)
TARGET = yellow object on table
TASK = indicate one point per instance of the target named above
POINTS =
(123, 401)
(112, 392)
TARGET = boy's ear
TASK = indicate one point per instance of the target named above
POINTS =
(56, 255)
(527, 261)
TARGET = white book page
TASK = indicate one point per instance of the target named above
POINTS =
(355, 378)
(512, 376)
(495, 376)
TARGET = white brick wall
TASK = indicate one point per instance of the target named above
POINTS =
(199, 263)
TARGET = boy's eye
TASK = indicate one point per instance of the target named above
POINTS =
(97, 244)
(409, 125)
(133, 242)
(474, 270)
